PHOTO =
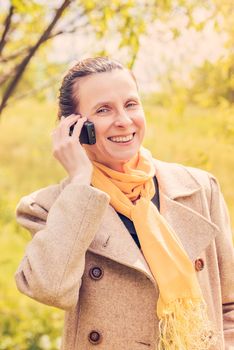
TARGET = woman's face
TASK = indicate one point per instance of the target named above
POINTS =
(110, 100)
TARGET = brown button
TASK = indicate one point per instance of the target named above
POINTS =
(199, 264)
(95, 337)
(96, 272)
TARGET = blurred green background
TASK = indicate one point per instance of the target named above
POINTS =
(188, 105)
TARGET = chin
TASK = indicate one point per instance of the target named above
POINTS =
(123, 158)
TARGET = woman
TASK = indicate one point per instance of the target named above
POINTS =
(137, 251)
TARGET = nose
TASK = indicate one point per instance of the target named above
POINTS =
(123, 119)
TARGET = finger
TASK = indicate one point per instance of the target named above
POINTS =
(78, 127)
(68, 119)
(65, 127)
(61, 119)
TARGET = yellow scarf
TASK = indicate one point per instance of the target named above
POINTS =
(183, 321)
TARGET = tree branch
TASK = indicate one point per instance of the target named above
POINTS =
(20, 52)
(14, 55)
(23, 64)
(53, 35)
(35, 90)
(7, 25)
(7, 75)
(26, 50)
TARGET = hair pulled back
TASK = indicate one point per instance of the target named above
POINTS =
(85, 67)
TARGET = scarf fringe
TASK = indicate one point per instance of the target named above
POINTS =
(185, 326)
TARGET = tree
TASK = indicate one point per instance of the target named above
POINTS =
(19, 68)
(28, 26)
(213, 82)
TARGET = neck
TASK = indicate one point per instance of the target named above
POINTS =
(117, 166)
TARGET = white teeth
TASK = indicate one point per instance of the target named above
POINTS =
(121, 138)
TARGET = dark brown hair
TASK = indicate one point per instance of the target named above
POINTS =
(88, 66)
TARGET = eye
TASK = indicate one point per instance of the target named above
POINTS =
(103, 110)
(131, 104)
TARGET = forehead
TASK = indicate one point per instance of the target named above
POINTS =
(109, 85)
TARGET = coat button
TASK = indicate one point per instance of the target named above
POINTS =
(95, 337)
(199, 264)
(96, 272)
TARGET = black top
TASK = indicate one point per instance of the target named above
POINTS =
(129, 224)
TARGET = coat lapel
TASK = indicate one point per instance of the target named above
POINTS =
(194, 230)
(115, 242)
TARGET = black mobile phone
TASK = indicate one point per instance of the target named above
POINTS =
(87, 134)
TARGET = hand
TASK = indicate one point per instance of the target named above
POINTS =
(68, 150)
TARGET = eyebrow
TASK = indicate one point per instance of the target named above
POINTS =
(110, 102)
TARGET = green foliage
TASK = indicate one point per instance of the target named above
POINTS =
(210, 85)
(27, 6)
(194, 136)
(213, 83)
(126, 21)
(197, 137)
(24, 324)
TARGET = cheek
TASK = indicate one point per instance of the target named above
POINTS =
(101, 130)
(140, 122)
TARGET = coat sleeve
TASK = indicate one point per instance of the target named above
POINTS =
(225, 252)
(53, 265)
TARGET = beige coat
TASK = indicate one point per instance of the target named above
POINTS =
(82, 259)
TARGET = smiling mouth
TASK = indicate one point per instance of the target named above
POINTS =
(122, 139)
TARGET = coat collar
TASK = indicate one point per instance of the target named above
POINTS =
(172, 182)
(194, 230)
